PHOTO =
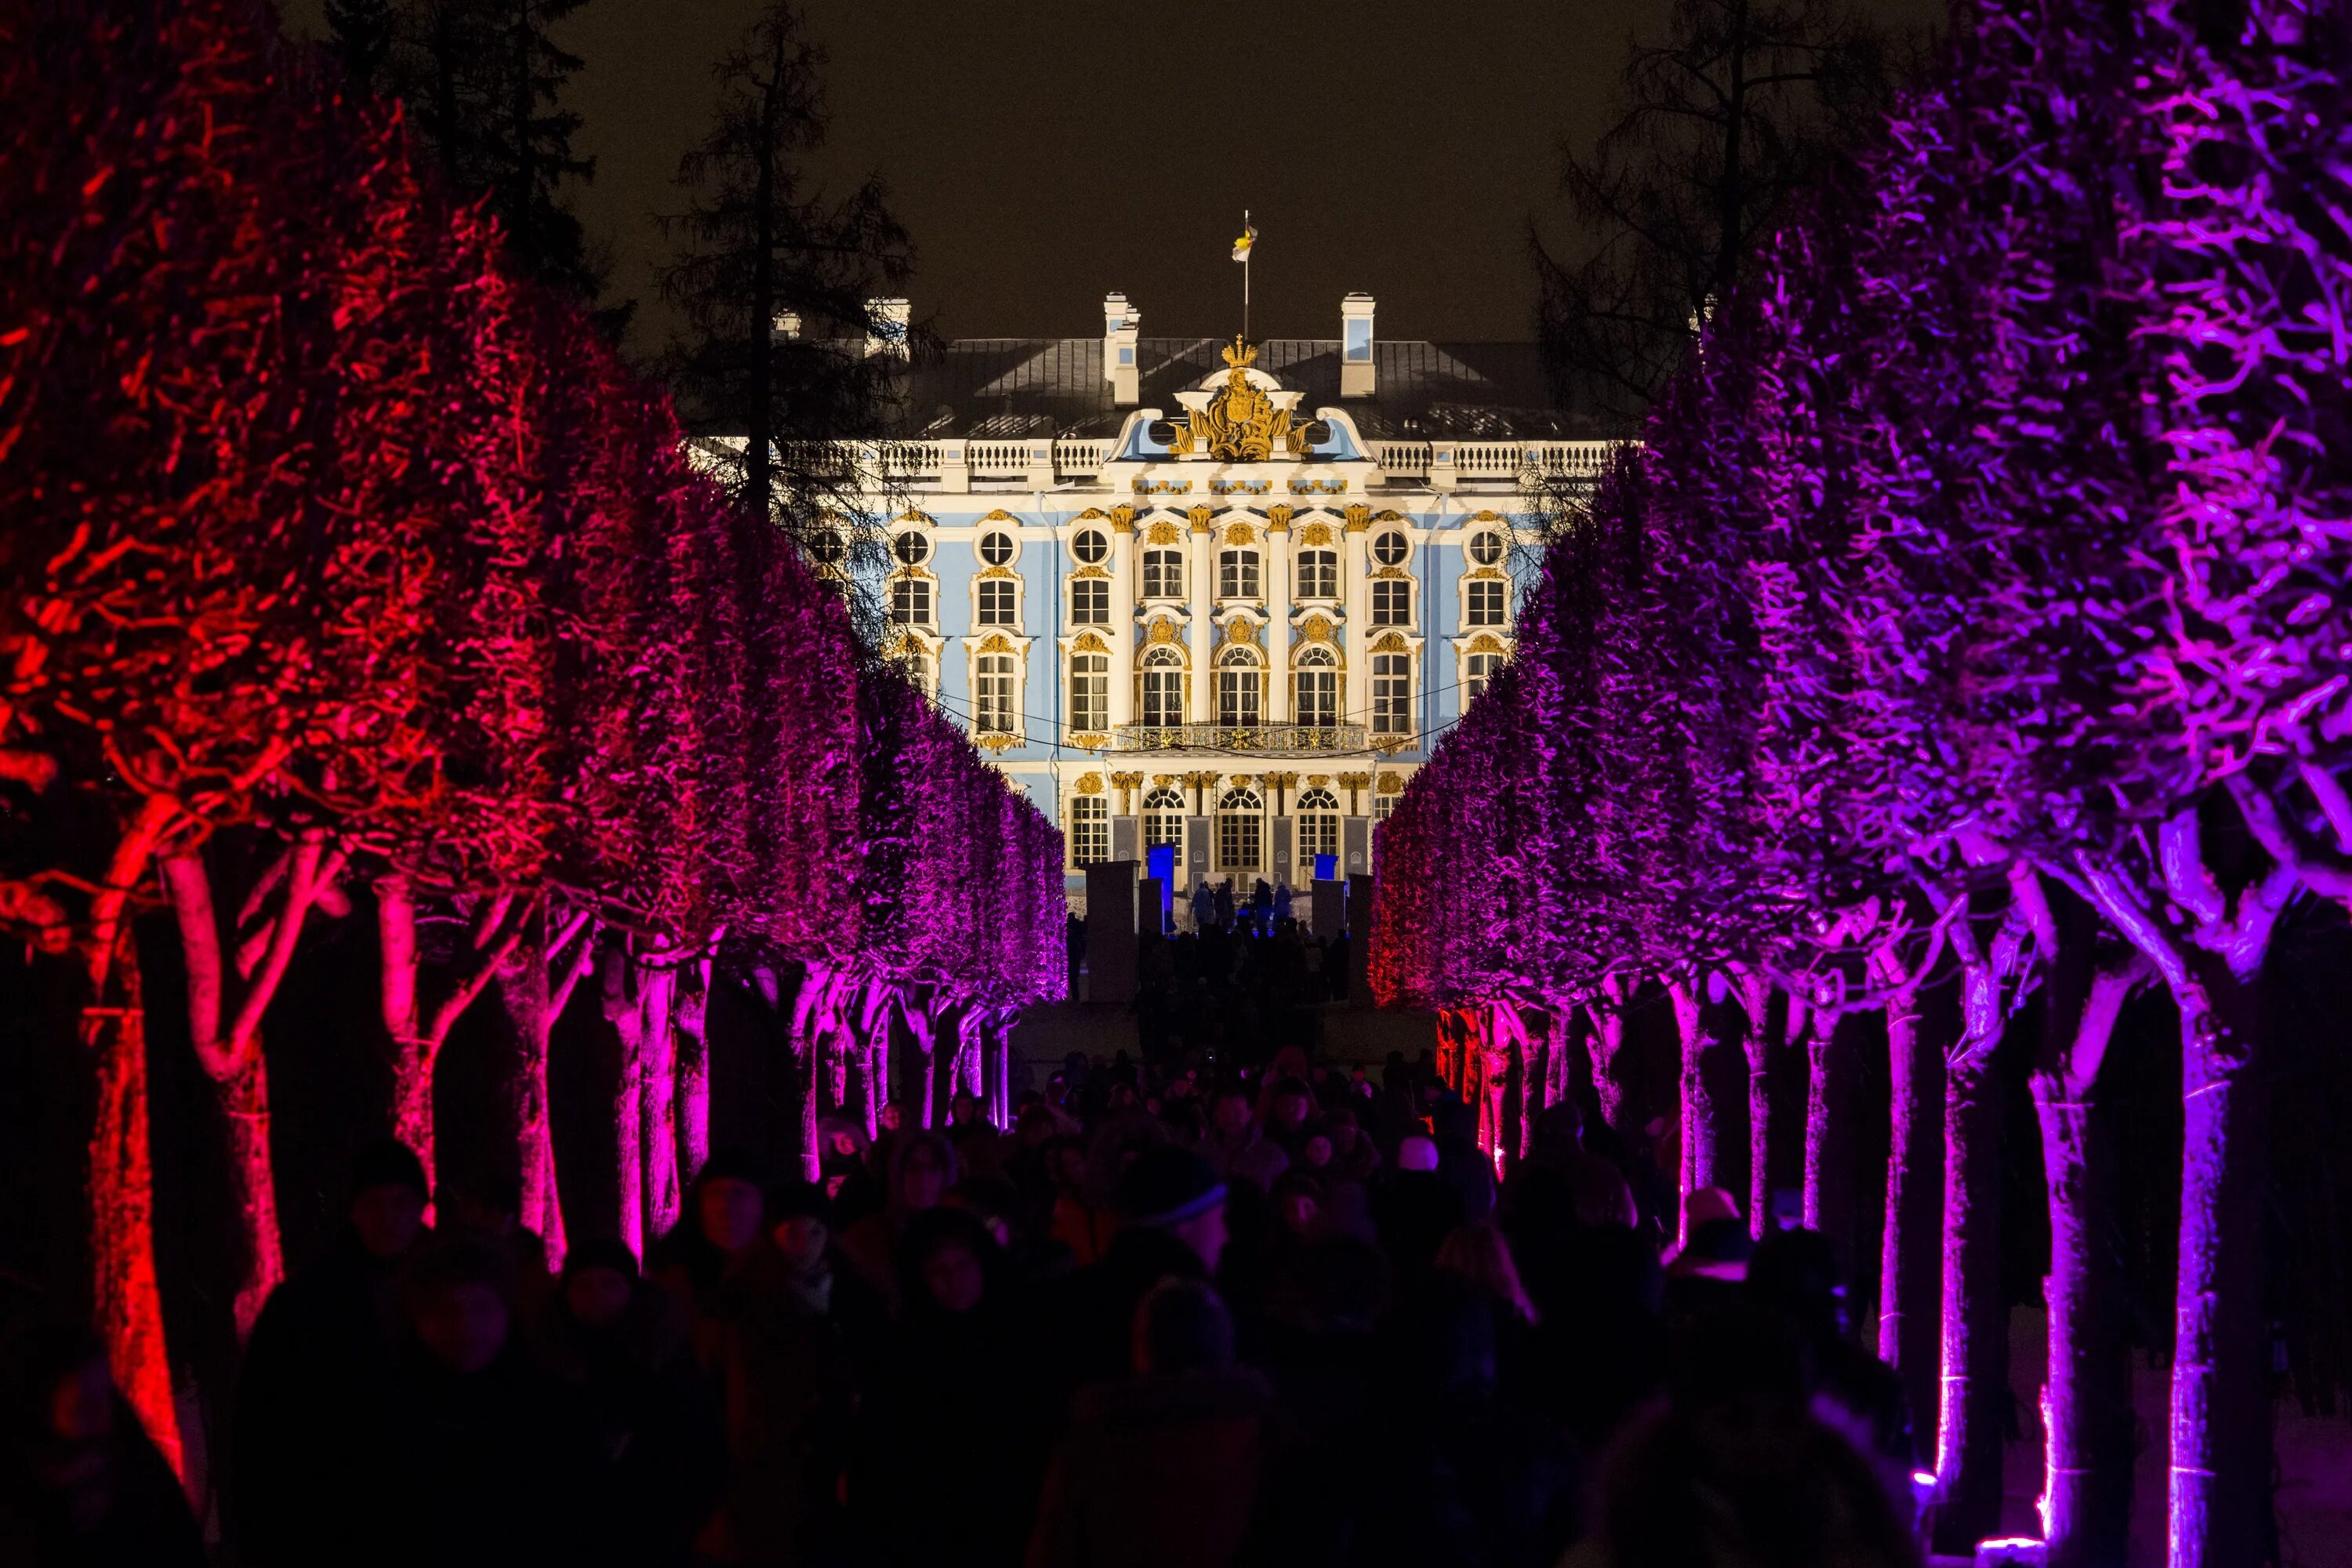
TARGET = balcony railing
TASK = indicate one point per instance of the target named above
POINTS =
(1263, 739)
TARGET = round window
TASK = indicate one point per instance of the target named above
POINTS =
(1487, 548)
(829, 548)
(912, 549)
(1389, 549)
(996, 549)
(1090, 546)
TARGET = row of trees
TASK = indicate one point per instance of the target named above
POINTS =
(343, 562)
(1976, 604)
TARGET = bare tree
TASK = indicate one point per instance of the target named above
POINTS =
(1722, 121)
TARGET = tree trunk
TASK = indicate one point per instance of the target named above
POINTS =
(2220, 1465)
(1909, 1276)
(805, 1036)
(1821, 1105)
(1764, 1031)
(693, 1019)
(627, 1019)
(657, 992)
(418, 1031)
(127, 1304)
(1975, 1343)
(1606, 1040)
(1699, 1166)
(523, 988)
(242, 1098)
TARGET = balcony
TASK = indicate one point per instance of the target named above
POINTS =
(1259, 740)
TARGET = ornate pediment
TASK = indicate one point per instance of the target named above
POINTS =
(1241, 422)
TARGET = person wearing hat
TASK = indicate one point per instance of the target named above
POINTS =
(1704, 1273)
(1171, 1209)
(318, 1367)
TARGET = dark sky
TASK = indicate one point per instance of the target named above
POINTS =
(1045, 152)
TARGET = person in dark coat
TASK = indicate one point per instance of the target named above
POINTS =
(720, 1224)
(1161, 1470)
(317, 1370)
(480, 1459)
(1794, 1275)
(622, 1346)
(951, 1451)
(1172, 1225)
(787, 1365)
(80, 1484)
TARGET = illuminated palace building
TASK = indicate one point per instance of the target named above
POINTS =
(1219, 595)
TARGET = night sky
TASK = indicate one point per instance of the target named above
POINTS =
(1045, 152)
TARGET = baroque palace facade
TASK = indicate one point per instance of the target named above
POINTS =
(1216, 595)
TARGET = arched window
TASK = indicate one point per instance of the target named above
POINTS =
(1163, 689)
(1163, 574)
(1315, 688)
(999, 596)
(1391, 694)
(1476, 670)
(916, 664)
(1392, 601)
(1318, 574)
(1089, 829)
(1089, 602)
(996, 705)
(1237, 574)
(1091, 691)
(1319, 825)
(1163, 816)
(1237, 689)
(910, 600)
(1484, 603)
(1241, 830)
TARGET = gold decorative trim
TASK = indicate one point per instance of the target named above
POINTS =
(1238, 630)
(1002, 572)
(1239, 487)
(1386, 515)
(1392, 643)
(1486, 642)
(997, 642)
(1314, 534)
(1316, 628)
(1240, 533)
(998, 741)
(1318, 780)
(1163, 781)
(1359, 518)
(1163, 532)
(1092, 514)
(1088, 642)
(912, 515)
(1089, 742)
(1090, 784)
(1390, 783)
(1241, 423)
(1488, 572)
(1354, 780)
(1318, 486)
(1164, 487)
(1278, 519)
(1200, 516)
(1001, 515)
(1122, 518)
(1488, 517)
(1163, 632)
(1391, 572)
(1095, 570)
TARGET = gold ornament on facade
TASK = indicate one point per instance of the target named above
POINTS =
(1239, 533)
(998, 741)
(1354, 780)
(1486, 642)
(1316, 781)
(1001, 515)
(1278, 519)
(1240, 424)
(996, 572)
(1359, 518)
(911, 515)
(1163, 631)
(1090, 784)
(1163, 532)
(1200, 516)
(1091, 571)
(1122, 518)
(997, 643)
(1392, 643)
(1318, 628)
(1390, 783)
(1086, 742)
(1088, 642)
(1313, 534)
(1162, 781)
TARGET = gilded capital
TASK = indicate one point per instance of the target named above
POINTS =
(1278, 519)
(1201, 523)
(1122, 518)
(1359, 518)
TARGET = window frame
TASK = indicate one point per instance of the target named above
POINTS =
(1089, 690)
(1090, 588)
(914, 584)
(992, 537)
(1491, 615)
(1391, 694)
(994, 712)
(1170, 565)
(1380, 614)
(1381, 540)
(1240, 573)
(1325, 564)
(1086, 538)
(1089, 830)
(1004, 613)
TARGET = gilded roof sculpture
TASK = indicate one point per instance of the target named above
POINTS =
(1241, 423)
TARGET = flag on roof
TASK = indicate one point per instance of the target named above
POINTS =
(1242, 246)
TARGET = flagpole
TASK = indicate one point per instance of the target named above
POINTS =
(1245, 267)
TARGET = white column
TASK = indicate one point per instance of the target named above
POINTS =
(1203, 708)
(1277, 628)
(1121, 630)
(1359, 700)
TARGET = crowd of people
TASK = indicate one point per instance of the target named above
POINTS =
(1179, 1313)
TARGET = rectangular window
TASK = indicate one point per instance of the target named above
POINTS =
(1319, 834)
(911, 602)
(1163, 574)
(1237, 574)
(1483, 602)
(1316, 702)
(995, 707)
(1237, 840)
(1393, 694)
(1089, 602)
(1358, 340)
(1090, 692)
(1089, 829)
(1382, 806)
(1476, 670)
(1392, 601)
(1318, 574)
(997, 599)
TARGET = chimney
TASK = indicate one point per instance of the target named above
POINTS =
(785, 326)
(1356, 346)
(1121, 324)
(886, 327)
